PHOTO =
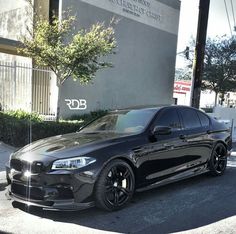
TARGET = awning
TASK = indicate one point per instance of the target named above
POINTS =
(9, 46)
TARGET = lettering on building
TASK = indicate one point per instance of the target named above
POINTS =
(76, 104)
(137, 8)
(149, 12)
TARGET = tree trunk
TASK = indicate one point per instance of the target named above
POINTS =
(58, 102)
(216, 98)
(222, 98)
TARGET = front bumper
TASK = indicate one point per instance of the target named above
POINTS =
(68, 204)
(57, 190)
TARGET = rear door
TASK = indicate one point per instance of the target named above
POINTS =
(195, 135)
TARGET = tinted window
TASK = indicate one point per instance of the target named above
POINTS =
(133, 121)
(204, 119)
(190, 118)
(168, 118)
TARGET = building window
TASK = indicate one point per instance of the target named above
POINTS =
(53, 10)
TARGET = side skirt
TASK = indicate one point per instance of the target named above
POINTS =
(185, 175)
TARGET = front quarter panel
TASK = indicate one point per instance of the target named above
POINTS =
(131, 150)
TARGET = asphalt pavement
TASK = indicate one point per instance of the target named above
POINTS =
(5, 151)
(202, 204)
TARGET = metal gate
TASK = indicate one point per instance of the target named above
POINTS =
(27, 88)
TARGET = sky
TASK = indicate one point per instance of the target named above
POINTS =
(217, 22)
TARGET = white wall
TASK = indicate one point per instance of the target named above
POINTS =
(207, 98)
(182, 98)
(225, 113)
(14, 18)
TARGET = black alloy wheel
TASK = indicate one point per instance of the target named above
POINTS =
(218, 161)
(115, 186)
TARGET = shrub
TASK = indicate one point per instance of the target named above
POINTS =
(20, 114)
(19, 128)
(19, 131)
(86, 118)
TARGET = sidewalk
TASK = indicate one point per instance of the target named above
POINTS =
(5, 151)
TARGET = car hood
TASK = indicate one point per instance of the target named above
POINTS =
(67, 145)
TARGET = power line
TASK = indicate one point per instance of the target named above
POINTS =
(227, 13)
(233, 14)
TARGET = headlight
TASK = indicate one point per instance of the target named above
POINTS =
(72, 163)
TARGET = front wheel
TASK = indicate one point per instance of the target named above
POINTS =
(218, 160)
(115, 185)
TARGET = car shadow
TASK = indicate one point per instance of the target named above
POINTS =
(181, 206)
(3, 182)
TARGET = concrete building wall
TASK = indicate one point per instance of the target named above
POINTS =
(144, 64)
(17, 15)
(41, 7)
(13, 22)
(13, 18)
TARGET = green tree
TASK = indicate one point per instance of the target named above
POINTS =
(219, 74)
(68, 53)
(183, 74)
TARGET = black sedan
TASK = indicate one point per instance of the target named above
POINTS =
(122, 152)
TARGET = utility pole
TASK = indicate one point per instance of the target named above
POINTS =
(199, 52)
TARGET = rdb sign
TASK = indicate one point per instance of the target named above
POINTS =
(76, 104)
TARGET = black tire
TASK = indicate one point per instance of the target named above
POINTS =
(115, 185)
(218, 160)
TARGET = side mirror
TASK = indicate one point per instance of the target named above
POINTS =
(161, 130)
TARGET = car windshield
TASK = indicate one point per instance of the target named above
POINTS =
(131, 122)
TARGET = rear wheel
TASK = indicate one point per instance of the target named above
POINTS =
(115, 185)
(218, 160)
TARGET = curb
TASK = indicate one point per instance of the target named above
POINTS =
(7, 147)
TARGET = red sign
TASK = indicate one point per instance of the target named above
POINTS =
(182, 87)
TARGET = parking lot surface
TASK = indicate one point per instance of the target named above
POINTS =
(203, 204)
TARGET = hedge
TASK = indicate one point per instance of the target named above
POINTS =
(18, 132)
(89, 116)
(18, 128)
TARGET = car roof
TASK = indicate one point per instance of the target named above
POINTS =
(141, 107)
(153, 107)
